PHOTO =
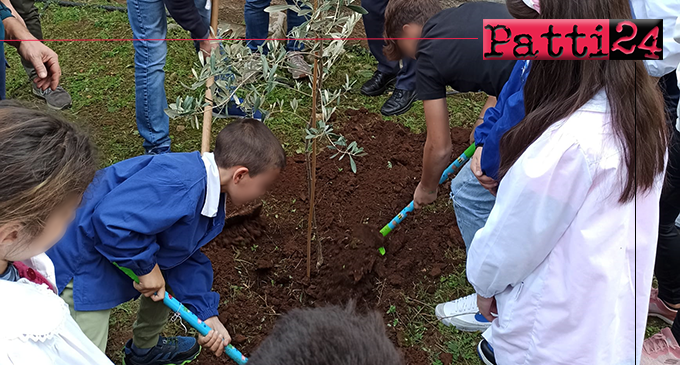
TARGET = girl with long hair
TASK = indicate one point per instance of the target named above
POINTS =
(564, 263)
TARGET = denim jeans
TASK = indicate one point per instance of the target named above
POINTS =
(257, 24)
(472, 203)
(148, 21)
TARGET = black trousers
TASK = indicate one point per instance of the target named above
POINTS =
(374, 24)
(667, 269)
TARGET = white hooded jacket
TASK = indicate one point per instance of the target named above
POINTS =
(559, 253)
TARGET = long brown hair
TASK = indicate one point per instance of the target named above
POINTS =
(44, 160)
(556, 89)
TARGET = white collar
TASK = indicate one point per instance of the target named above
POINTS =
(212, 191)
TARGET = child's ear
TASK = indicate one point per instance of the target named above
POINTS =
(240, 173)
(9, 234)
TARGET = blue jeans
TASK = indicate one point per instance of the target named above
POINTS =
(257, 24)
(148, 21)
(471, 203)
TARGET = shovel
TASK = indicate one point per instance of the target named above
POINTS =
(452, 169)
(190, 318)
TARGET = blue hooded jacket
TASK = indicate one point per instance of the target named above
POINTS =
(507, 113)
(138, 213)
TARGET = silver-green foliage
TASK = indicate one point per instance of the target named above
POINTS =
(237, 71)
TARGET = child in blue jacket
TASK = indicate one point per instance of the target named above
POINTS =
(152, 214)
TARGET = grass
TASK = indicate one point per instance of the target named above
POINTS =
(100, 78)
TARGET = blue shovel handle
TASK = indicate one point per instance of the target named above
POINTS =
(455, 166)
(190, 318)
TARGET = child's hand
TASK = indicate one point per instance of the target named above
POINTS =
(152, 285)
(476, 165)
(216, 339)
(487, 307)
(423, 196)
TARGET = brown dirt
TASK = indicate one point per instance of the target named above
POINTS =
(260, 263)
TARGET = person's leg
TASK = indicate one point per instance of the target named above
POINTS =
(29, 13)
(472, 203)
(293, 20)
(55, 99)
(667, 267)
(151, 319)
(257, 23)
(406, 79)
(404, 94)
(94, 324)
(147, 345)
(374, 24)
(205, 16)
(148, 21)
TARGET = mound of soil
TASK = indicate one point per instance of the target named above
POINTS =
(260, 263)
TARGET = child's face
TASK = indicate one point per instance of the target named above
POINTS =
(409, 47)
(245, 188)
(16, 246)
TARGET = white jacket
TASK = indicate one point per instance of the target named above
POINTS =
(36, 327)
(559, 251)
(668, 11)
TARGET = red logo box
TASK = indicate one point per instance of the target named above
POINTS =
(573, 39)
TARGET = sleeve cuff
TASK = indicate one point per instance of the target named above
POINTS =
(207, 313)
(144, 270)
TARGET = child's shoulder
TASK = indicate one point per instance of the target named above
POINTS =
(172, 168)
(34, 313)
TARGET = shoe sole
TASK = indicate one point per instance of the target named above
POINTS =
(461, 326)
(381, 91)
(661, 317)
(48, 105)
(402, 110)
(481, 356)
(179, 363)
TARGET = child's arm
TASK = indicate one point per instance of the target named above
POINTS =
(437, 151)
(492, 114)
(537, 200)
(127, 221)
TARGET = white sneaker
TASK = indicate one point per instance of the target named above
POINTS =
(463, 314)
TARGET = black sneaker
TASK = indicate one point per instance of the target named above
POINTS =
(56, 99)
(378, 84)
(399, 103)
(178, 350)
(485, 352)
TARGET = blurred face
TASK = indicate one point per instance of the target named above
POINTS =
(409, 47)
(243, 188)
(15, 245)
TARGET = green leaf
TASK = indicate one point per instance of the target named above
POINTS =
(278, 8)
(353, 164)
(332, 157)
(382, 253)
(358, 9)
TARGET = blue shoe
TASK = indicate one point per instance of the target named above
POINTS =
(158, 150)
(169, 351)
(485, 352)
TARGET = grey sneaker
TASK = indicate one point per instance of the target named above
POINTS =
(56, 99)
(298, 67)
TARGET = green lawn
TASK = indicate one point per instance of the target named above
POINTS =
(100, 77)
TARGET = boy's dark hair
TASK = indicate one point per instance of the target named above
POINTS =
(401, 12)
(327, 336)
(249, 143)
(44, 160)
